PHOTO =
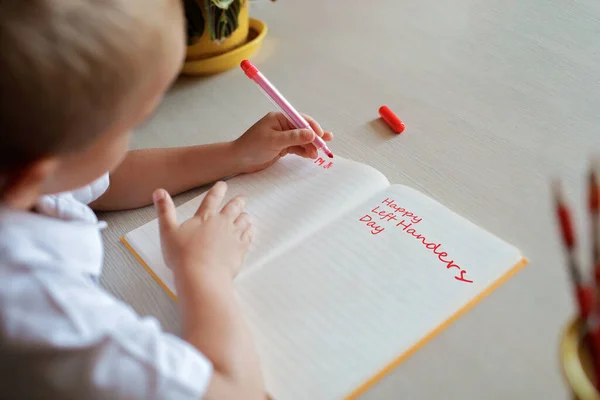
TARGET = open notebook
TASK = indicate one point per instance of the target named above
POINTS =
(347, 274)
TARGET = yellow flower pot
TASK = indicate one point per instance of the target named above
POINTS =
(230, 59)
(206, 48)
(576, 364)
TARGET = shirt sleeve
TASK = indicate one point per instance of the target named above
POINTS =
(93, 346)
(93, 191)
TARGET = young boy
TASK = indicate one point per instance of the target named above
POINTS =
(75, 78)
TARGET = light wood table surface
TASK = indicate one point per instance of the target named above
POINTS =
(497, 96)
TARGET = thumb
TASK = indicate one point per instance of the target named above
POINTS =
(167, 217)
(295, 137)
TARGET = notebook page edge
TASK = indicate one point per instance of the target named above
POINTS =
(387, 369)
(130, 245)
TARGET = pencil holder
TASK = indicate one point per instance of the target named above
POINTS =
(576, 363)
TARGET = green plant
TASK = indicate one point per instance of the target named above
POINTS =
(221, 21)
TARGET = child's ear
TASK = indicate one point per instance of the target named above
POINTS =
(24, 187)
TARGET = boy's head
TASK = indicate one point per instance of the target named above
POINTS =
(75, 77)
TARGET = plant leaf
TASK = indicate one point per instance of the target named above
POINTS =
(222, 4)
(209, 8)
(222, 22)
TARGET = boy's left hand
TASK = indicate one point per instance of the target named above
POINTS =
(273, 137)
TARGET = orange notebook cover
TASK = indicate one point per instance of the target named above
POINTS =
(348, 276)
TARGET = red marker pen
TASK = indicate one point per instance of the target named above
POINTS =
(284, 106)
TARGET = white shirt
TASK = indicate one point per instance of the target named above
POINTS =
(63, 336)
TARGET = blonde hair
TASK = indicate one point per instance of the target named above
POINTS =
(70, 69)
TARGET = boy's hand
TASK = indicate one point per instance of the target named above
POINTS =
(213, 242)
(273, 137)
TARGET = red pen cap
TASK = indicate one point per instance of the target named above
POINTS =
(391, 119)
(249, 69)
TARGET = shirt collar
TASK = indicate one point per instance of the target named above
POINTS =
(35, 240)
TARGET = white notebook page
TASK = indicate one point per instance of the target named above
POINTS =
(288, 201)
(335, 310)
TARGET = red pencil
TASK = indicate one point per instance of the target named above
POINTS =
(594, 206)
(590, 315)
(582, 294)
(594, 210)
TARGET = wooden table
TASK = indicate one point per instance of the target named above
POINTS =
(497, 97)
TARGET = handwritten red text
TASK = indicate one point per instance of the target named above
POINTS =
(376, 229)
(384, 215)
(321, 163)
(388, 210)
(408, 227)
(404, 212)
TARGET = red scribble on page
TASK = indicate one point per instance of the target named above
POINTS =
(323, 163)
